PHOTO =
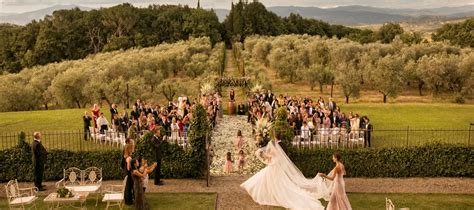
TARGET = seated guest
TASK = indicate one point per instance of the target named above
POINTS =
(240, 109)
(102, 123)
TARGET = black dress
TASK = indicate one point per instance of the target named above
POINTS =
(128, 194)
(140, 200)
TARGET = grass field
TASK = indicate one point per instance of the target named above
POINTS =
(412, 201)
(383, 116)
(171, 201)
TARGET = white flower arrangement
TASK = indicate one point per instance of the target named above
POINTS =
(257, 88)
(207, 88)
(263, 127)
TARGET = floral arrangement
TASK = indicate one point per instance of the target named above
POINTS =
(262, 131)
(257, 88)
(64, 193)
(207, 88)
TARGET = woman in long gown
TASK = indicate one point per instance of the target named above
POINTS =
(129, 166)
(281, 183)
(140, 175)
(338, 199)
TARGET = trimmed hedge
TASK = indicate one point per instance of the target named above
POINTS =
(435, 160)
(16, 162)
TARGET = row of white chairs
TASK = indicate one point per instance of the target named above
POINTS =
(109, 137)
(330, 138)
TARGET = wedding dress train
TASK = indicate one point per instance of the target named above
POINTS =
(281, 183)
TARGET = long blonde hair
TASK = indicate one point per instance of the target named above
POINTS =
(128, 150)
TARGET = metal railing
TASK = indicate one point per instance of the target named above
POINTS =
(74, 140)
(341, 138)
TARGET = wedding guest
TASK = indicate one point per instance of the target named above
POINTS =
(331, 105)
(113, 112)
(102, 123)
(150, 121)
(338, 199)
(39, 159)
(241, 162)
(87, 124)
(174, 130)
(368, 131)
(132, 130)
(232, 95)
(157, 139)
(228, 164)
(238, 142)
(144, 169)
(135, 114)
(129, 167)
(95, 114)
(305, 131)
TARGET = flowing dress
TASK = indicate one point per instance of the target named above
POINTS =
(339, 200)
(281, 183)
(140, 200)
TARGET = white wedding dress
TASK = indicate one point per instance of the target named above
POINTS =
(281, 183)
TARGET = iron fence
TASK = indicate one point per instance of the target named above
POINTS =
(406, 137)
(78, 140)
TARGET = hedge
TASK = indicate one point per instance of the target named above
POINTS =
(435, 160)
(16, 162)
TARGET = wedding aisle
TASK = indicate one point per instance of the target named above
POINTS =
(223, 141)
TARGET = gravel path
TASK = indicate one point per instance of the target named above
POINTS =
(231, 196)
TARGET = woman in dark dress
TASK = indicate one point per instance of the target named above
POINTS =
(127, 155)
(140, 175)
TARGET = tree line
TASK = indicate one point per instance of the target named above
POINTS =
(387, 68)
(113, 77)
(75, 34)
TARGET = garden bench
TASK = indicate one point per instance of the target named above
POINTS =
(82, 181)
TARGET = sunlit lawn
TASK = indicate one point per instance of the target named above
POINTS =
(160, 201)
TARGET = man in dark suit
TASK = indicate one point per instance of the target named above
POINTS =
(156, 139)
(113, 112)
(331, 105)
(368, 131)
(334, 117)
(87, 123)
(39, 158)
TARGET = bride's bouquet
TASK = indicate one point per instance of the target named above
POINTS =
(262, 131)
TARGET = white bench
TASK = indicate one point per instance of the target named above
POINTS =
(82, 181)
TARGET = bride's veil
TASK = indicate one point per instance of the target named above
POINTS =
(317, 186)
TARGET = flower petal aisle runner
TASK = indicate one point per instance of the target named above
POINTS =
(223, 138)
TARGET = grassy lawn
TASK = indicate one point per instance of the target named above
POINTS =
(156, 201)
(383, 116)
(412, 201)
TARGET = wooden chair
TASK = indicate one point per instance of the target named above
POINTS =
(113, 194)
(19, 198)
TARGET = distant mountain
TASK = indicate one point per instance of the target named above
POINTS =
(345, 15)
(364, 15)
(24, 18)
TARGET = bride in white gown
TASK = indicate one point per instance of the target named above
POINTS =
(281, 183)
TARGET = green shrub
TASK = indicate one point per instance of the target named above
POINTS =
(281, 126)
(16, 163)
(426, 161)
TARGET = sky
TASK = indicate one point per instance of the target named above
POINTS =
(19, 6)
